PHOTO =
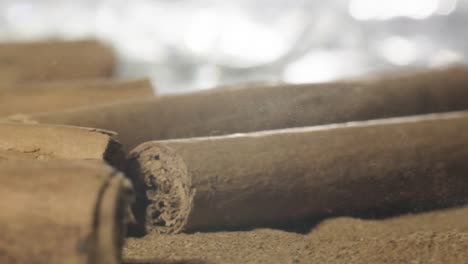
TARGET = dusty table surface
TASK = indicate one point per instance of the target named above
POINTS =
(432, 237)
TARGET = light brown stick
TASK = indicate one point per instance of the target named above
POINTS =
(227, 111)
(275, 177)
(59, 95)
(62, 212)
(55, 60)
(47, 142)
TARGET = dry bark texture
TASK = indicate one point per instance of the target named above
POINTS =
(226, 111)
(55, 60)
(29, 98)
(70, 212)
(276, 177)
(47, 142)
(435, 237)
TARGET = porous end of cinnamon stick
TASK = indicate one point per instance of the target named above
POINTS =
(164, 195)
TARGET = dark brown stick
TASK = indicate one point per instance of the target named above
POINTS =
(59, 95)
(55, 60)
(227, 111)
(275, 177)
(62, 212)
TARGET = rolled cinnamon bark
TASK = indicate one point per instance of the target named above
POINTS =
(55, 60)
(227, 111)
(62, 212)
(29, 98)
(47, 142)
(275, 177)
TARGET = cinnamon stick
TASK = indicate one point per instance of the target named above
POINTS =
(29, 98)
(276, 177)
(55, 60)
(47, 142)
(62, 212)
(226, 111)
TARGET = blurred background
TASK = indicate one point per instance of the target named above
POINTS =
(185, 45)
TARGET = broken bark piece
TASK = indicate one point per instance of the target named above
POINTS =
(277, 177)
(226, 111)
(62, 212)
(55, 60)
(47, 142)
(29, 98)
(7, 155)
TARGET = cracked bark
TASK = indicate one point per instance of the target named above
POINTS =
(46, 142)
